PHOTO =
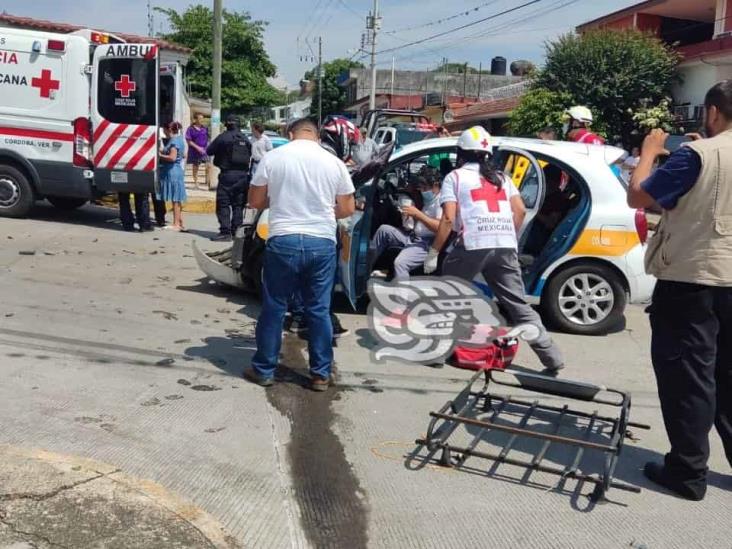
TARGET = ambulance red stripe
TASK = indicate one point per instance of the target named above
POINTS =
(142, 151)
(132, 140)
(108, 144)
(100, 130)
(38, 134)
(150, 166)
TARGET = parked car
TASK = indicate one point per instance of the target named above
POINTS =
(404, 134)
(581, 246)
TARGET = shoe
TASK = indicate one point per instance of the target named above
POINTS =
(221, 237)
(338, 329)
(319, 384)
(130, 229)
(297, 325)
(658, 474)
(379, 274)
(253, 377)
(146, 229)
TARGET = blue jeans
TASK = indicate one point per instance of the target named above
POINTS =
(304, 264)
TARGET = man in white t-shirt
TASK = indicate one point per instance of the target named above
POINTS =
(484, 207)
(416, 242)
(306, 189)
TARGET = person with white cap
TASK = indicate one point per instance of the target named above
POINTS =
(577, 122)
(484, 207)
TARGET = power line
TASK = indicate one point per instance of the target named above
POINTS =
(512, 25)
(443, 20)
(350, 9)
(432, 37)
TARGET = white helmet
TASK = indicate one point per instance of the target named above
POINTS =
(579, 113)
(475, 139)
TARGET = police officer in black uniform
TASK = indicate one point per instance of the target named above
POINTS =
(231, 152)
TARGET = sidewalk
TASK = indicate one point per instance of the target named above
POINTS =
(49, 500)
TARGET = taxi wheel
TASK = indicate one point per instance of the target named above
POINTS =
(16, 193)
(586, 299)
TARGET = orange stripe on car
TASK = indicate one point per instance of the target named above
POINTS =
(605, 242)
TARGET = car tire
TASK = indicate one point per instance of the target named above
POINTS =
(16, 193)
(66, 203)
(584, 299)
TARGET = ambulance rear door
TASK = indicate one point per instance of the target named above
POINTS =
(125, 117)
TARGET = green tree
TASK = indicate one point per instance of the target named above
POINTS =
(614, 73)
(456, 68)
(334, 96)
(539, 109)
(245, 67)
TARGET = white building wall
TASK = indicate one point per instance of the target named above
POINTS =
(698, 77)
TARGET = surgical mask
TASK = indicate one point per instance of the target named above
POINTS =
(428, 196)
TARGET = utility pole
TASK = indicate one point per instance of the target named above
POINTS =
(480, 78)
(393, 68)
(212, 174)
(465, 80)
(150, 20)
(373, 23)
(216, 88)
(320, 81)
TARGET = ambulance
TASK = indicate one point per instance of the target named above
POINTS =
(79, 116)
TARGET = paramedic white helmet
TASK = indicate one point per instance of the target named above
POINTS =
(475, 139)
(580, 114)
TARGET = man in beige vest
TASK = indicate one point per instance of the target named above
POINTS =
(691, 312)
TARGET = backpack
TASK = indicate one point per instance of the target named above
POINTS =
(240, 153)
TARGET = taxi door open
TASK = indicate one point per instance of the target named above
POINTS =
(124, 114)
(527, 174)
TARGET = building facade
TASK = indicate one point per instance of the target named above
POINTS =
(417, 89)
(700, 30)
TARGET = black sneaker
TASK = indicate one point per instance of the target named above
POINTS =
(221, 237)
(338, 329)
(297, 326)
(146, 229)
(660, 475)
(128, 229)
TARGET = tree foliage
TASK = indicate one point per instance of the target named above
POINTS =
(457, 68)
(245, 66)
(334, 96)
(614, 73)
(539, 109)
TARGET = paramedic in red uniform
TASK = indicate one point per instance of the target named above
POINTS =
(577, 126)
(486, 210)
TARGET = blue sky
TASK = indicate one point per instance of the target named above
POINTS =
(518, 35)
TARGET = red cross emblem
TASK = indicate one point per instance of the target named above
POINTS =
(46, 83)
(125, 86)
(490, 194)
(484, 143)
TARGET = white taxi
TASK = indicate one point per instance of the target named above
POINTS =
(581, 246)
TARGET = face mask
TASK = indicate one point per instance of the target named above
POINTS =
(428, 196)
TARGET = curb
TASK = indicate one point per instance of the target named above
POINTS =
(204, 523)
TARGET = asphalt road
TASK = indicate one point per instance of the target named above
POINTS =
(113, 348)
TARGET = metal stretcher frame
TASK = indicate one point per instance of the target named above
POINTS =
(456, 412)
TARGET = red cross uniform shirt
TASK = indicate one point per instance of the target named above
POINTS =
(484, 216)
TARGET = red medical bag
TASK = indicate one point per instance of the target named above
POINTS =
(497, 356)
